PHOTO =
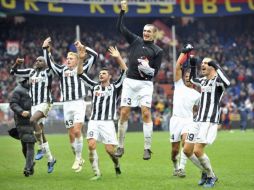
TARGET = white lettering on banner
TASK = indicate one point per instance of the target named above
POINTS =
(111, 2)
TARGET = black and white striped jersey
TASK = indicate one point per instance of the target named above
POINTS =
(71, 86)
(104, 99)
(40, 84)
(211, 94)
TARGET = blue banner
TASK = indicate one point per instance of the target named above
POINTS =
(193, 8)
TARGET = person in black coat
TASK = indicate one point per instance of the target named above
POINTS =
(20, 103)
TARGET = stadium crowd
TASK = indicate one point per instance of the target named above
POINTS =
(232, 45)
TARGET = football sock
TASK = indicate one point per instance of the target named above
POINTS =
(79, 147)
(183, 160)
(94, 160)
(73, 147)
(193, 158)
(122, 129)
(45, 146)
(148, 131)
(205, 162)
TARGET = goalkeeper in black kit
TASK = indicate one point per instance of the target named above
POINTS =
(144, 61)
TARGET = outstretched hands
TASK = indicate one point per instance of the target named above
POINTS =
(116, 54)
(114, 51)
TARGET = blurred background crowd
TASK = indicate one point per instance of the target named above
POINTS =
(230, 40)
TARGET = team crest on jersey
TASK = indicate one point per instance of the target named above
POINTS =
(37, 79)
(69, 73)
(206, 89)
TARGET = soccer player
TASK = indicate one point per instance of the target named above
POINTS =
(20, 103)
(40, 79)
(101, 126)
(213, 83)
(143, 62)
(185, 101)
(73, 93)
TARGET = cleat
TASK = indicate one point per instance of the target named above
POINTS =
(95, 178)
(39, 155)
(79, 169)
(203, 179)
(147, 154)
(77, 165)
(119, 152)
(210, 182)
(175, 172)
(51, 165)
(118, 171)
(32, 169)
(27, 173)
(181, 173)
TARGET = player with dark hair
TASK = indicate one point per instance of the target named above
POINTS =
(20, 103)
(40, 80)
(144, 61)
(213, 84)
(101, 127)
(185, 102)
(73, 94)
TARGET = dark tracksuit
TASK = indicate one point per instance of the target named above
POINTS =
(138, 49)
(20, 101)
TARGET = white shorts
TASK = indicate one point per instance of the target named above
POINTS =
(74, 112)
(44, 108)
(102, 131)
(137, 93)
(202, 132)
(179, 126)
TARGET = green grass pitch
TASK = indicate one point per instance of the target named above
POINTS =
(232, 157)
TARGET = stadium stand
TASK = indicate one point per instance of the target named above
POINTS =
(232, 44)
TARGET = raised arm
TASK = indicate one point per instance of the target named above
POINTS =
(57, 69)
(91, 60)
(81, 50)
(116, 54)
(193, 73)
(224, 78)
(20, 72)
(129, 36)
(82, 75)
(181, 59)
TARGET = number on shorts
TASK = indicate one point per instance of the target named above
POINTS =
(190, 136)
(172, 137)
(69, 123)
(91, 134)
(128, 101)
